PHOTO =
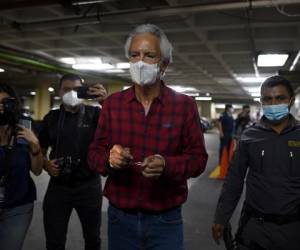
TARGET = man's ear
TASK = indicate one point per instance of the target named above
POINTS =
(292, 102)
(164, 66)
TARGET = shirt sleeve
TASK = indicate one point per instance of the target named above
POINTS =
(192, 161)
(99, 149)
(233, 186)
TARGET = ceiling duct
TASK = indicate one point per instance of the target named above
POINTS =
(87, 2)
(143, 13)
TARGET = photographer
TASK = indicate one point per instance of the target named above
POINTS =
(19, 153)
(69, 131)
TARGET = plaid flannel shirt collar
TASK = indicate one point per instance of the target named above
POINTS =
(162, 98)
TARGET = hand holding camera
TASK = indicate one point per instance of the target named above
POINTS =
(28, 135)
(96, 91)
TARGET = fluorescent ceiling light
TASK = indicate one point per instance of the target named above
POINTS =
(88, 2)
(114, 71)
(295, 61)
(123, 65)
(251, 79)
(237, 106)
(50, 89)
(89, 66)
(207, 94)
(56, 98)
(2, 70)
(68, 60)
(219, 106)
(181, 89)
(271, 60)
(32, 93)
(203, 98)
(256, 99)
(255, 94)
(253, 89)
(192, 94)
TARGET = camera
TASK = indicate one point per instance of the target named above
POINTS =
(82, 93)
(67, 166)
(10, 105)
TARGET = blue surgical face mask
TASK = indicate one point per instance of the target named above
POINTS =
(275, 112)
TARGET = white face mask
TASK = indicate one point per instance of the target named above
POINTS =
(144, 73)
(70, 98)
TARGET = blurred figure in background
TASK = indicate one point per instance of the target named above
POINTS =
(20, 153)
(243, 121)
(226, 129)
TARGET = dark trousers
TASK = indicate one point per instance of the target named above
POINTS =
(270, 236)
(58, 204)
(225, 141)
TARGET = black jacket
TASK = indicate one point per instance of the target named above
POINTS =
(69, 135)
(272, 162)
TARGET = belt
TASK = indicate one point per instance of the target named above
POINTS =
(135, 211)
(273, 218)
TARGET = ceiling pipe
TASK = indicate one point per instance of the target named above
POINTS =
(48, 67)
(142, 13)
(12, 5)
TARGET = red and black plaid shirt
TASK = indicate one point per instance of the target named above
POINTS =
(171, 128)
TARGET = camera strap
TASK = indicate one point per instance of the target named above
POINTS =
(60, 124)
(77, 136)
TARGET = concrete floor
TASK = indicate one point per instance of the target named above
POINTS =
(197, 212)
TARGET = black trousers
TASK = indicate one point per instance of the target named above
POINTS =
(271, 236)
(58, 204)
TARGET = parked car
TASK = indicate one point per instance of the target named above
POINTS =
(206, 124)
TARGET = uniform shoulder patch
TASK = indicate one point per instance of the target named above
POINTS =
(294, 144)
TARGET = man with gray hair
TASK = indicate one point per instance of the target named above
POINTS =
(148, 142)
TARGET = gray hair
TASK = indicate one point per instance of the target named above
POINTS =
(165, 46)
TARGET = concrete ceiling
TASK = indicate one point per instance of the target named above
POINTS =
(215, 41)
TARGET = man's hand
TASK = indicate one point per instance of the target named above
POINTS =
(51, 167)
(99, 91)
(153, 166)
(119, 156)
(217, 232)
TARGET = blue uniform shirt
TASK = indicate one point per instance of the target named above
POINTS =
(227, 122)
(19, 186)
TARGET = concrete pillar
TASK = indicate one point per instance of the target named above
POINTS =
(204, 108)
(41, 101)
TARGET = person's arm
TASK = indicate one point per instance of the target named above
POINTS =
(35, 149)
(231, 191)
(48, 165)
(220, 127)
(192, 161)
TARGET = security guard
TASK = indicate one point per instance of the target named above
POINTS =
(269, 152)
